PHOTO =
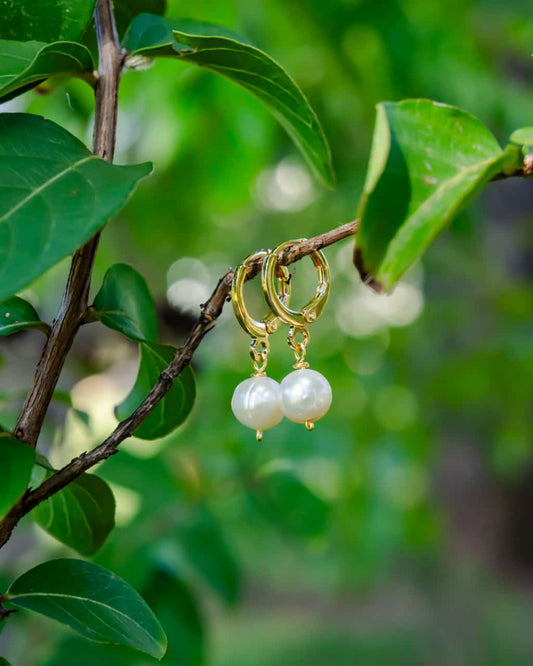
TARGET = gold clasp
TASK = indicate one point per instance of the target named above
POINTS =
(299, 347)
(259, 348)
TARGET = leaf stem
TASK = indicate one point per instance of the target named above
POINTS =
(210, 311)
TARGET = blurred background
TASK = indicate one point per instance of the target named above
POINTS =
(399, 531)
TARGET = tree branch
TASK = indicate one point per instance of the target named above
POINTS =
(74, 304)
(210, 311)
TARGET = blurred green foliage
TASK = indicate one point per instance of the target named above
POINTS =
(390, 532)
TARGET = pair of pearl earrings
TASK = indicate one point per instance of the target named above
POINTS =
(303, 396)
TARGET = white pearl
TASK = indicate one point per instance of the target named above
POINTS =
(305, 395)
(256, 403)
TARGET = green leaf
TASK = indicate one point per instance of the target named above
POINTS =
(522, 136)
(4, 662)
(228, 54)
(173, 408)
(38, 475)
(18, 459)
(25, 63)
(91, 600)
(16, 314)
(288, 503)
(153, 36)
(427, 161)
(127, 10)
(204, 546)
(81, 515)
(55, 195)
(125, 304)
(177, 610)
(46, 20)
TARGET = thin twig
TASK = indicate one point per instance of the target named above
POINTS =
(211, 310)
(74, 304)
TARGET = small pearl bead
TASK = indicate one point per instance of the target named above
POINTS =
(256, 403)
(305, 395)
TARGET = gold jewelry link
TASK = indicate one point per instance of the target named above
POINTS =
(259, 356)
(299, 347)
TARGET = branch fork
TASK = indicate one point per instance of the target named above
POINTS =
(74, 306)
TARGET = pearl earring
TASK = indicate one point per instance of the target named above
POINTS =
(256, 401)
(305, 394)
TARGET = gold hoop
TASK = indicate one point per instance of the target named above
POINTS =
(310, 312)
(255, 328)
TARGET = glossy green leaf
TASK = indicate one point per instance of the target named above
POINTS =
(46, 20)
(153, 36)
(55, 195)
(523, 136)
(205, 548)
(225, 53)
(285, 500)
(26, 63)
(16, 314)
(427, 161)
(127, 10)
(17, 462)
(173, 408)
(81, 515)
(92, 601)
(125, 304)
(178, 611)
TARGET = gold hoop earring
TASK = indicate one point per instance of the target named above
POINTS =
(256, 401)
(305, 394)
(312, 310)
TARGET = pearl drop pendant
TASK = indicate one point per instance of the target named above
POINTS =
(305, 396)
(256, 403)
